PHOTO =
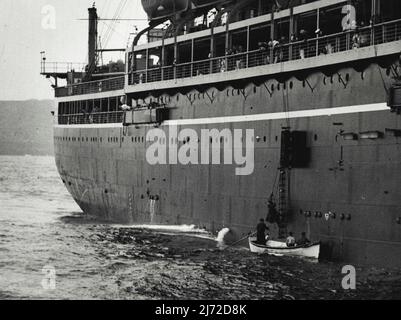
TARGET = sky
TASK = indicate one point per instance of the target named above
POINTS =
(28, 27)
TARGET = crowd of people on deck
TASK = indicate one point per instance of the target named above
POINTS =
(274, 50)
(300, 45)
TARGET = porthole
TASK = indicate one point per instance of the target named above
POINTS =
(272, 87)
(284, 85)
(324, 80)
(276, 138)
(347, 77)
(238, 92)
(291, 85)
(331, 80)
(388, 71)
(264, 139)
(132, 139)
(315, 137)
(228, 92)
(254, 89)
(304, 83)
(178, 97)
(363, 75)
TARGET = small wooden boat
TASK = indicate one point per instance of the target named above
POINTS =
(280, 249)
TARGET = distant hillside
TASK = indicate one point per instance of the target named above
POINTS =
(26, 127)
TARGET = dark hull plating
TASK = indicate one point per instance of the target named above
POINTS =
(359, 179)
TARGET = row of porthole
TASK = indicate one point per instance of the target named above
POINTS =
(156, 197)
(333, 215)
(95, 139)
(65, 182)
(319, 214)
(162, 140)
(74, 139)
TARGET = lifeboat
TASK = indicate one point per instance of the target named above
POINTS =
(204, 3)
(285, 4)
(277, 248)
(157, 9)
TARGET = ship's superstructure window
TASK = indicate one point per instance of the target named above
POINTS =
(388, 10)
(104, 110)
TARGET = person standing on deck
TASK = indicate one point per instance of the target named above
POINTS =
(261, 228)
(304, 240)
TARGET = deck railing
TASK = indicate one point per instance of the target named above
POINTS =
(61, 67)
(91, 117)
(103, 85)
(296, 50)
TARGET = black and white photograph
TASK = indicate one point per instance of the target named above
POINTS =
(208, 156)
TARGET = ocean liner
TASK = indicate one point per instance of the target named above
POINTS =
(316, 82)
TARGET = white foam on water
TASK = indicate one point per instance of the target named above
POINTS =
(171, 228)
(220, 238)
(221, 235)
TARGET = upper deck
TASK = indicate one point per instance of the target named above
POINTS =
(265, 43)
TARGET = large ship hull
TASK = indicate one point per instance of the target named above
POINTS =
(347, 198)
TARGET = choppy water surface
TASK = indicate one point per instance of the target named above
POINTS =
(41, 226)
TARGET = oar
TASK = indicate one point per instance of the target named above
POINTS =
(236, 242)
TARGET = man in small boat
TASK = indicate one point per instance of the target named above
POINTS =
(261, 229)
(304, 240)
(290, 241)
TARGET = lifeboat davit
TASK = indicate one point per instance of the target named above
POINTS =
(157, 9)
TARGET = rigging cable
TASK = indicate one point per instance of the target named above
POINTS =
(111, 27)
